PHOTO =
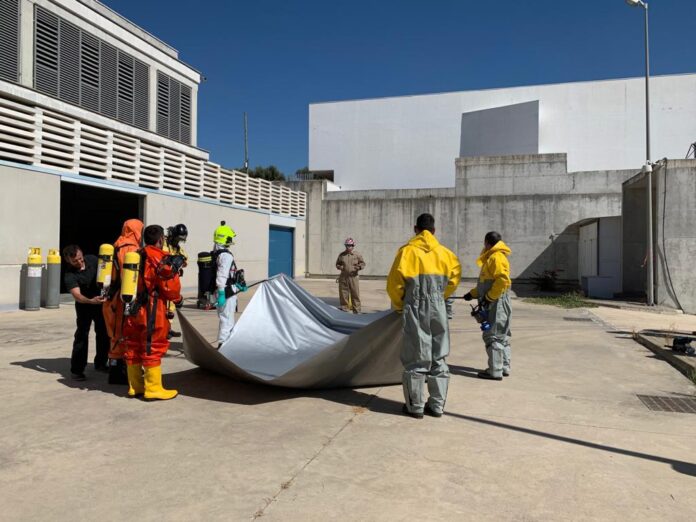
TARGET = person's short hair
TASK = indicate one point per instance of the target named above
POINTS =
(492, 238)
(152, 234)
(426, 222)
(71, 251)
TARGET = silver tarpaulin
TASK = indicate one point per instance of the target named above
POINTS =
(287, 337)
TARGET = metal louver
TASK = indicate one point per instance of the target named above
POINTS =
(9, 40)
(89, 72)
(69, 62)
(46, 49)
(81, 69)
(141, 95)
(108, 90)
(173, 109)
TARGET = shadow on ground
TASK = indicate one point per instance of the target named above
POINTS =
(201, 384)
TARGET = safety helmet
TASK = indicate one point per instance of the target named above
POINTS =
(349, 242)
(224, 235)
(178, 232)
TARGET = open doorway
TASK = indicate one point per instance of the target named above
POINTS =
(90, 216)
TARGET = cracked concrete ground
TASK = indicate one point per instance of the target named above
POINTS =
(563, 438)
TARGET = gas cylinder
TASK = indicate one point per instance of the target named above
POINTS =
(129, 280)
(53, 279)
(32, 289)
(104, 268)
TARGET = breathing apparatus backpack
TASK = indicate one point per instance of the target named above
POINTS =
(207, 275)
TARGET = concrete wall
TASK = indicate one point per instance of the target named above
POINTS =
(675, 234)
(30, 204)
(409, 142)
(531, 200)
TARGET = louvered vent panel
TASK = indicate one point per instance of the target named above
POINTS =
(141, 95)
(226, 186)
(150, 173)
(241, 189)
(57, 141)
(108, 88)
(211, 180)
(46, 52)
(254, 191)
(172, 172)
(193, 176)
(174, 110)
(94, 151)
(125, 88)
(265, 194)
(124, 158)
(186, 114)
(17, 131)
(9, 40)
(89, 72)
(69, 62)
(162, 104)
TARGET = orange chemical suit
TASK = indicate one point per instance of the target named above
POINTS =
(128, 241)
(162, 284)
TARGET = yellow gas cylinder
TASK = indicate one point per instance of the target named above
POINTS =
(32, 288)
(53, 279)
(104, 268)
(129, 279)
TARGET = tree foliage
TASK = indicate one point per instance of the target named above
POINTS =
(270, 173)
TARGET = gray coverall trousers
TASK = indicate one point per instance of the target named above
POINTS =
(426, 343)
(497, 339)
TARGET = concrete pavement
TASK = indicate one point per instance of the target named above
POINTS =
(563, 438)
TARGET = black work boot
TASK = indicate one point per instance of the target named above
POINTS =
(414, 414)
(432, 413)
(117, 372)
(486, 375)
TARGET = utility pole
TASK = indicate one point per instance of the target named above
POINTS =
(246, 145)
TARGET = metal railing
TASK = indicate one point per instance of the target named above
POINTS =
(36, 136)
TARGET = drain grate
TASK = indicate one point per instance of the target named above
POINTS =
(578, 319)
(673, 404)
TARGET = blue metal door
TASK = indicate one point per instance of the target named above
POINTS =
(280, 251)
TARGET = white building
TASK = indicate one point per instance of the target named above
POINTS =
(98, 125)
(412, 141)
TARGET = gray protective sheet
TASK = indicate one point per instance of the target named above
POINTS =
(287, 337)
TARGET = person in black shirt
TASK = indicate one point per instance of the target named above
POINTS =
(80, 279)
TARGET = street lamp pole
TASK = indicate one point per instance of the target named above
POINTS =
(647, 168)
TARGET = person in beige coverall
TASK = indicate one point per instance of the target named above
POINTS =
(349, 262)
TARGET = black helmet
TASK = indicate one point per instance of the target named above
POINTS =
(178, 232)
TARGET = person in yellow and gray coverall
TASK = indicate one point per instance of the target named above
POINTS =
(423, 275)
(173, 244)
(349, 262)
(492, 293)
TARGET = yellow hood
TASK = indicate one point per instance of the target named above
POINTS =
(500, 246)
(424, 241)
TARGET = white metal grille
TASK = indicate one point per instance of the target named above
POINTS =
(37, 136)
(9, 40)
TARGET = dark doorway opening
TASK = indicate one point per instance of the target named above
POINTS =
(90, 216)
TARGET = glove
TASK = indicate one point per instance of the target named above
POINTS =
(221, 299)
(468, 296)
(485, 303)
(179, 304)
(241, 287)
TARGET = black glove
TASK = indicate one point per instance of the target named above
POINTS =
(178, 304)
(468, 296)
(484, 302)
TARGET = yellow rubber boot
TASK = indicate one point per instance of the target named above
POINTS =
(136, 382)
(153, 385)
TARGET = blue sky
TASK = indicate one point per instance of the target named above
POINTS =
(273, 58)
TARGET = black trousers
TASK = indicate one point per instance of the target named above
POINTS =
(86, 314)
